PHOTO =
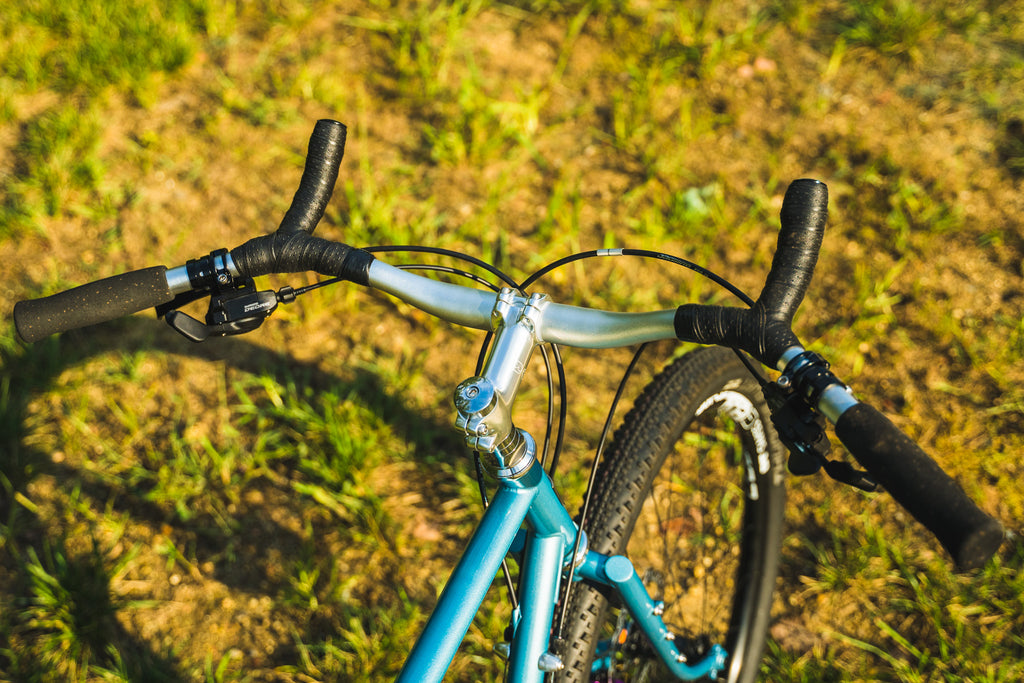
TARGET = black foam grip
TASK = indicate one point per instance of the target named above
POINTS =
(920, 485)
(92, 303)
(326, 148)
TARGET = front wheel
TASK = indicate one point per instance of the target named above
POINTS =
(692, 492)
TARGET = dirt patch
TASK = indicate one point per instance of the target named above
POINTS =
(537, 139)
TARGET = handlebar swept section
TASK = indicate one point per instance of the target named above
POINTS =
(292, 248)
(319, 176)
(765, 330)
(910, 475)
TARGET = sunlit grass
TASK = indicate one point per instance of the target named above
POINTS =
(315, 493)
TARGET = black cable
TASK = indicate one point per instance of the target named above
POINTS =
(549, 425)
(563, 408)
(437, 251)
(645, 253)
(317, 285)
(593, 478)
(451, 271)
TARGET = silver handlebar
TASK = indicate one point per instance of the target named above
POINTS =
(554, 323)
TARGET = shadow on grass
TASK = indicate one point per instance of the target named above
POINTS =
(58, 607)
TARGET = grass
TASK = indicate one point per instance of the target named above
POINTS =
(79, 53)
(285, 506)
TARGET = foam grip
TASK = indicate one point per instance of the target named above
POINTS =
(920, 486)
(92, 303)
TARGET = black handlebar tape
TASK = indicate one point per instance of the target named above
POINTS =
(803, 217)
(300, 252)
(293, 248)
(92, 303)
(920, 486)
(764, 330)
(748, 329)
(326, 148)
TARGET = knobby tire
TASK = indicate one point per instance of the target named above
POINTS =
(711, 556)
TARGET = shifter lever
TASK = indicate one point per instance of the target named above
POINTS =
(237, 310)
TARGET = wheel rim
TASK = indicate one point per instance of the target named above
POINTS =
(688, 539)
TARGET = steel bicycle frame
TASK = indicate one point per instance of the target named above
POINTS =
(526, 512)
(551, 534)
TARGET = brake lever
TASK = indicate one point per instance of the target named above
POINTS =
(803, 433)
(236, 307)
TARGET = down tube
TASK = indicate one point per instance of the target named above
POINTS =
(467, 586)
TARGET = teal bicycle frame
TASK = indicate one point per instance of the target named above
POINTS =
(525, 513)
(550, 535)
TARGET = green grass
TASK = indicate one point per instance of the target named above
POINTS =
(81, 53)
(88, 46)
(285, 506)
(916, 620)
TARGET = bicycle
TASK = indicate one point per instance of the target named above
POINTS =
(606, 595)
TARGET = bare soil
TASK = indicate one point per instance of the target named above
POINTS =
(198, 175)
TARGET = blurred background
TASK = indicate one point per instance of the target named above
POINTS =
(285, 506)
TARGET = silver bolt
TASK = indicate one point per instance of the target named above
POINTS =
(550, 662)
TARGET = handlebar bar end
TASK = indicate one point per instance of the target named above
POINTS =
(323, 159)
(977, 547)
